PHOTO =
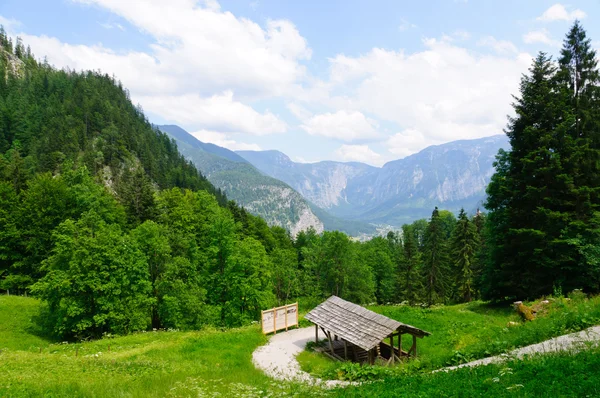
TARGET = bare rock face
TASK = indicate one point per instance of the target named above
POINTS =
(449, 176)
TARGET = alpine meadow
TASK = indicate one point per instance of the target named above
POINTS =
(128, 270)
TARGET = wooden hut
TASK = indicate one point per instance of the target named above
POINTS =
(356, 333)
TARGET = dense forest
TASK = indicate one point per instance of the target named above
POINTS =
(104, 220)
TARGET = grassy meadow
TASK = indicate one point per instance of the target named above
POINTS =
(466, 332)
(218, 363)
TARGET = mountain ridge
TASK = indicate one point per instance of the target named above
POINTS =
(450, 175)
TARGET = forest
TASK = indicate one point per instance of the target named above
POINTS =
(105, 221)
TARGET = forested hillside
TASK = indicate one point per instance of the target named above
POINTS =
(104, 220)
(273, 200)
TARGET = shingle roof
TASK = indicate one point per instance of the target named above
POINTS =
(356, 324)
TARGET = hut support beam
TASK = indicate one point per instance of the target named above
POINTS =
(316, 333)
(345, 350)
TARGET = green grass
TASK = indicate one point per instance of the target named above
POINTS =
(218, 363)
(551, 375)
(157, 364)
(465, 332)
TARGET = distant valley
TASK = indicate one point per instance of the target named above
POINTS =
(352, 197)
(451, 176)
(265, 196)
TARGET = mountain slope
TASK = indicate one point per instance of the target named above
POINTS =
(451, 176)
(261, 195)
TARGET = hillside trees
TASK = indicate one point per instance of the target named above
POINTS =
(464, 247)
(436, 260)
(103, 219)
(543, 199)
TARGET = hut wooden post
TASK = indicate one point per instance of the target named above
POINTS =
(400, 344)
(393, 353)
(316, 333)
(330, 343)
(275, 321)
(345, 349)
(414, 347)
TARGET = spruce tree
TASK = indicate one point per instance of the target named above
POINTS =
(410, 280)
(545, 195)
(435, 260)
(464, 246)
(526, 219)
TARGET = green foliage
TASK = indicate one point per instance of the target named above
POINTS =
(96, 280)
(545, 196)
(436, 260)
(464, 246)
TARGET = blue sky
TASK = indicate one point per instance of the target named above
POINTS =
(350, 80)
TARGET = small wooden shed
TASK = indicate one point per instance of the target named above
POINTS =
(356, 333)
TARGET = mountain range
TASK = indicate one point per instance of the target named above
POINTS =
(349, 196)
(451, 176)
(270, 198)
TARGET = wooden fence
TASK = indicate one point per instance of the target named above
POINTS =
(279, 318)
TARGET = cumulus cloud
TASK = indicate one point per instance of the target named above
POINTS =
(540, 36)
(204, 49)
(559, 12)
(299, 111)
(499, 46)
(358, 153)
(204, 67)
(219, 112)
(445, 92)
(342, 125)
(9, 24)
(408, 142)
(405, 25)
(224, 140)
(110, 25)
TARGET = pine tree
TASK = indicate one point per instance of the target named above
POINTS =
(544, 200)
(464, 247)
(523, 196)
(435, 260)
(410, 280)
(579, 81)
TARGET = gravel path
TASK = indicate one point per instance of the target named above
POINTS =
(574, 341)
(278, 358)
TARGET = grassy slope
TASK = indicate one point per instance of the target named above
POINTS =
(215, 363)
(141, 365)
(461, 333)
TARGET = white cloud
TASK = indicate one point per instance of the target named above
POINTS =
(445, 92)
(358, 153)
(196, 49)
(408, 142)
(559, 12)
(342, 125)
(9, 24)
(224, 140)
(499, 46)
(299, 111)
(540, 36)
(110, 25)
(219, 112)
(405, 25)
(462, 35)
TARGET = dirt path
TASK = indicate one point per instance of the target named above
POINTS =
(574, 341)
(278, 358)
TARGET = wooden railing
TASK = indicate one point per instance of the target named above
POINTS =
(279, 318)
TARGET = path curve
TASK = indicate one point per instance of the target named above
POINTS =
(574, 341)
(278, 358)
